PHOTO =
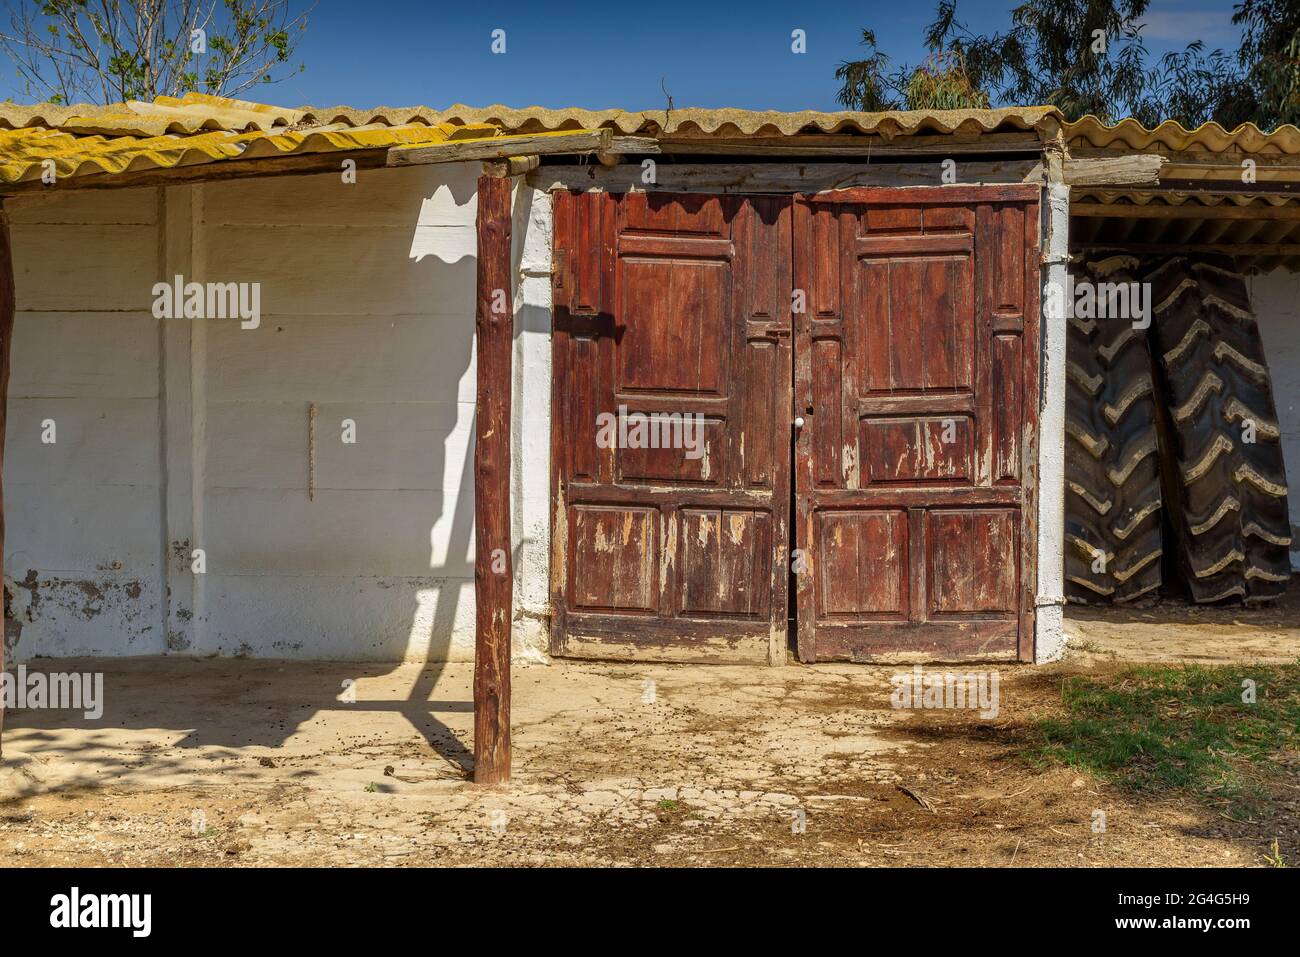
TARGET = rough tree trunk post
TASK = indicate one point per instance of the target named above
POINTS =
(493, 578)
(6, 339)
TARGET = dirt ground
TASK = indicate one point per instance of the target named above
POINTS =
(241, 762)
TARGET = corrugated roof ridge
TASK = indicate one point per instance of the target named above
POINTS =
(196, 111)
(1171, 134)
(704, 119)
(1126, 197)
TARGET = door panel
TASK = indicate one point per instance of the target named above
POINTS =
(972, 567)
(863, 573)
(671, 305)
(915, 467)
(614, 550)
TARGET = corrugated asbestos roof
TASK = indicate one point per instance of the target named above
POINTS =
(196, 112)
(23, 152)
(702, 122)
(198, 129)
(1137, 197)
(189, 114)
(1169, 136)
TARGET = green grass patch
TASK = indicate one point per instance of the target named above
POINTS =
(1187, 727)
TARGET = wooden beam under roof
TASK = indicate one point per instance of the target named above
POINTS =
(863, 145)
(777, 178)
(1229, 249)
(1185, 211)
(298, 164)
(1209, 166)
(634, 144)
(1223, 187)
(502, 147)
(1138, 169)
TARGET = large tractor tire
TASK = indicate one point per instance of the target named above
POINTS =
(1225, 484)
(1112, 465)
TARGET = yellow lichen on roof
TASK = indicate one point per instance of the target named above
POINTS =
(1129, 134)
(192, 130)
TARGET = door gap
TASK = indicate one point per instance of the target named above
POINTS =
(792, 587)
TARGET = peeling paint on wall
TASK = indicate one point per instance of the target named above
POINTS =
(60, 612)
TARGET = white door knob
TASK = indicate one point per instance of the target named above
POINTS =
(798, 421)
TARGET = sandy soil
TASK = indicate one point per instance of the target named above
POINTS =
(1171, 631)
(614, 765)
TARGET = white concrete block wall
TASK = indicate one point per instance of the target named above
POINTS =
(178, 434)
(1276, 299)
(82, 549)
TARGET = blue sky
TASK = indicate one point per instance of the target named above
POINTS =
(713, 53)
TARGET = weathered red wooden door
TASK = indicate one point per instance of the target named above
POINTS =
(916, 375)
(676, 306)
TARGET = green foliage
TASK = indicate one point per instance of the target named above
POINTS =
(1088, 57)
(866, 84)
(1190, 88)
(942, 83)
(70, 50)
(1270, 62)
(939, 83)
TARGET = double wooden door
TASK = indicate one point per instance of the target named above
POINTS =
(876, 347)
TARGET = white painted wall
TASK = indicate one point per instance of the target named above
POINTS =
(1049, 635)
(1276, 299)
(176, 434)
(82, 514)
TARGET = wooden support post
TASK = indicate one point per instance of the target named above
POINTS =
(493, 578)
(6, 341)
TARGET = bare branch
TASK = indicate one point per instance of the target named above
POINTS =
(107, 50)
